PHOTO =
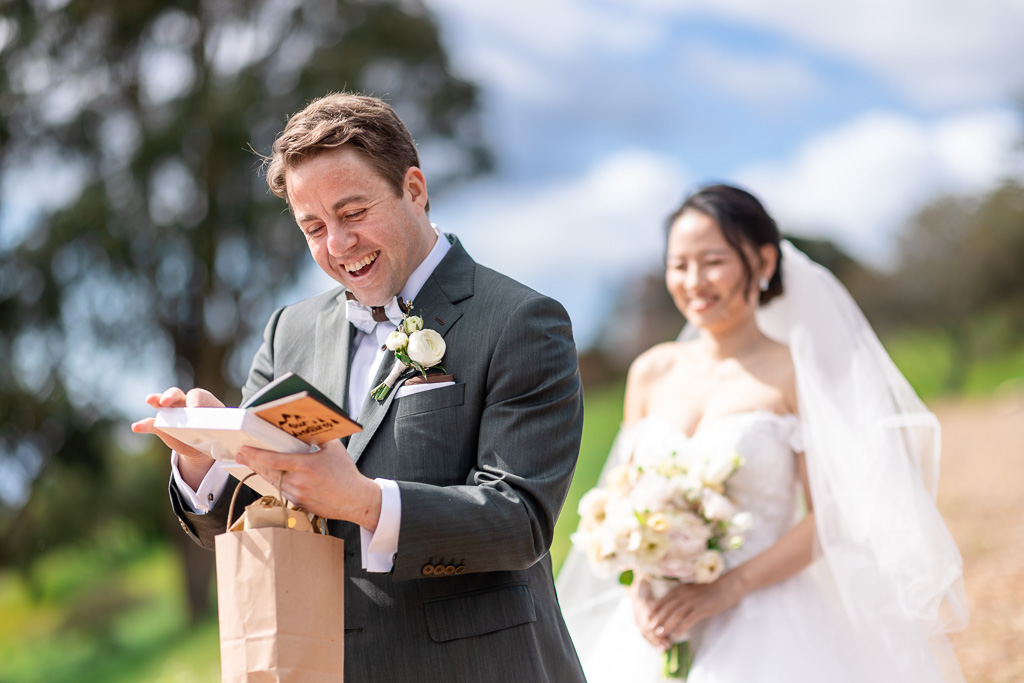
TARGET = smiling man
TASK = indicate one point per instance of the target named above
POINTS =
(452, 489)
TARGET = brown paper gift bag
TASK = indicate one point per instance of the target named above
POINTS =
(280, 599)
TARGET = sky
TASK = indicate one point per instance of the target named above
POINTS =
(603, 114)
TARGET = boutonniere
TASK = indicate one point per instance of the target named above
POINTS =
(414, 347)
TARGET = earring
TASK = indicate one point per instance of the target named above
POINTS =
(763, 284)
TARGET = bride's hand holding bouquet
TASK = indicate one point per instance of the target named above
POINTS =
(663, 518)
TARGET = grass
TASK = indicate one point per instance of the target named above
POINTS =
(927, 358)
(602, 416)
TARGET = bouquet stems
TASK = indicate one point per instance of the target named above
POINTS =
(678, 661)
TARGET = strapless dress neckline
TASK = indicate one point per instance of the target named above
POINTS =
(707, 422)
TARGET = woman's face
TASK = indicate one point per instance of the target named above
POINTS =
(705, 275)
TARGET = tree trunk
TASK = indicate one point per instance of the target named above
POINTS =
(197, 571)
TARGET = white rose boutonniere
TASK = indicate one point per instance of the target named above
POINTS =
(426, 347)
(414, 347)
(396, 340)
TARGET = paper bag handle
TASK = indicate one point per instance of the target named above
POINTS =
(319, 523)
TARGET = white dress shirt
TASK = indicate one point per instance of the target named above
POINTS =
(380, 546)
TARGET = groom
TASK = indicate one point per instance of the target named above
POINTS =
(447, 499)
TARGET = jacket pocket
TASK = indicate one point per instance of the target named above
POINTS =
(435, 399)
(479, 612)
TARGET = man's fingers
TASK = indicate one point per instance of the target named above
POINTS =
(201, 398)
(171, 398)
(176, 398)
(257, 458)
(144, 426)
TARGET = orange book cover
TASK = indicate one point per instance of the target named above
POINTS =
(306, 418)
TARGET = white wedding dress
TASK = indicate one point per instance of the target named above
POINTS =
(886, 584)
(785, 632)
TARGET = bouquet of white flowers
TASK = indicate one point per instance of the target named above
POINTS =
(664, 514)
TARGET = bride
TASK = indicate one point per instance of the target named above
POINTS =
(848, 572)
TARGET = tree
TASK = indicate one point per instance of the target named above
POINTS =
(159, 254)
(960, 273)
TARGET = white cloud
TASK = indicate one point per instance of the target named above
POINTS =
(575, 239)
(940, 55)
(524, 47)
(766, 82)
(952, 54)
(556, 30)
(859, 182)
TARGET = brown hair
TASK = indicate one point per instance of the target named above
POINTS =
(366, 123)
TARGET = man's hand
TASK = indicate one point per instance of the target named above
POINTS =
(325, 483)
(192, 464)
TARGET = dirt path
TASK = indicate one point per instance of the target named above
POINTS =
(981, 495)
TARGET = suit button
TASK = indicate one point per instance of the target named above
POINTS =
(438, 570)
(428, 569)
(449, 570)
(461, 569)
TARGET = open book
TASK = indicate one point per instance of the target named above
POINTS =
(288, 415)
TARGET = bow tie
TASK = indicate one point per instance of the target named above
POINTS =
(365, 318)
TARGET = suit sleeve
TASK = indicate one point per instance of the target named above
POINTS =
(202, 528)
(529, 435)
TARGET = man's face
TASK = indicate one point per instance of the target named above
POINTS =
(358, 230)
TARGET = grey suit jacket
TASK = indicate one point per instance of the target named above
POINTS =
(483, 468)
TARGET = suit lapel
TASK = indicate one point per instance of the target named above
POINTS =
(332, 342)
(451, 282)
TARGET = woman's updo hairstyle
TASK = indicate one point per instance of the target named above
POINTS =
(743, 220)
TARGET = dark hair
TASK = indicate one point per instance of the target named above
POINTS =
(368, 124)
(743, 220)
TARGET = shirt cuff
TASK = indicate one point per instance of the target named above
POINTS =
(380, 547)
(203, 500)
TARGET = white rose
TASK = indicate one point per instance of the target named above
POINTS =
(709, 566)
(652, 492)
(426, 347)
(658, 522)
(396, 340)
(742, 521)
(718, 469)
(648, 547)
(716, 507)
(593, 504)
(688, 533)
(413, 323)
(620, 479)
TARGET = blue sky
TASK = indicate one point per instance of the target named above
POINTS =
(603, 114)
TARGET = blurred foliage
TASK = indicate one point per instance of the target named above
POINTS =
(146, 248)
(109, 612)
(960, 275)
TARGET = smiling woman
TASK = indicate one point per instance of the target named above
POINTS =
(796, 389)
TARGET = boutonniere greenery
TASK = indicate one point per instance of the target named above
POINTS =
(414, 347)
